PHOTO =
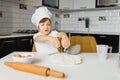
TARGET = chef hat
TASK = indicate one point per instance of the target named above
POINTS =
(39, 14)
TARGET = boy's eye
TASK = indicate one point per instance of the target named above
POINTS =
(48, 24)
(42, 24)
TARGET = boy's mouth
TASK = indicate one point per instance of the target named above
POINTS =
(46, 30)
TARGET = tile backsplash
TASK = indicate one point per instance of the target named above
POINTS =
(100, 21)
(13, 18)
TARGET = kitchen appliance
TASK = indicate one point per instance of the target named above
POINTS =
(51, 3)
(26, 31)
(107, 3)
(87, 22)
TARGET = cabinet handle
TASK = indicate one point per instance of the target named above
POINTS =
(31, 41)
(103, 36)
(8, 41)
(24, 39)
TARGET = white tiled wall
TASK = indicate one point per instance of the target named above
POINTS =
(14, 18)
(111, 24)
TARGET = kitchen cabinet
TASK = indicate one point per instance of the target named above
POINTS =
(8, 45)
(110, 40)
(34, 2)
(78, 34)
(76, 4)
(51, 3)
(66, 4)
(24, 43)
(84, 4)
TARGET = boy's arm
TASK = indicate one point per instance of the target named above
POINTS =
(64, 39)
(61, 35)
(43, 38)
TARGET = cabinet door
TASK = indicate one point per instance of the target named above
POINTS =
(7, 46)
(24, 44)
(78, 34)
(37, 2)
(110, 40)
(66, 4)
(34, 2)
(83, 4)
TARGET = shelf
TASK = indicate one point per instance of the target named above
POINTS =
(90, 9)
(87, 9)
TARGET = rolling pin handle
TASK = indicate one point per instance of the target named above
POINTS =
(55, 73)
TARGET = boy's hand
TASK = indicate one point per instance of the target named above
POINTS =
(55, 42)
(64, 39)
(65, 42)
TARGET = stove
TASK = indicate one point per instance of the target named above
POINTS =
(26, 31)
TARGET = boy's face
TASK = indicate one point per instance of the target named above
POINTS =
(45, 27)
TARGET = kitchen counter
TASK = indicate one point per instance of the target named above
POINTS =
(92, 32)
(15, 35)
(90, 69)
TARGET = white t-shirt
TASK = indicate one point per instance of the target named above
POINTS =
(45, 47)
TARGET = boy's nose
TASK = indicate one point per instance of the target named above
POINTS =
(46, 26)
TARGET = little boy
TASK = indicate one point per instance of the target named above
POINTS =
(46, 41)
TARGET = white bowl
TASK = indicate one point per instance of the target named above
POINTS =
(23, 57)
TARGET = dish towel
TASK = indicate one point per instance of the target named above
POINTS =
(73, 50)
(65, 59)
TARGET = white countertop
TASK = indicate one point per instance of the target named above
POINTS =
(90, 69)
(16, 35)
(92, 32)
(67, 31)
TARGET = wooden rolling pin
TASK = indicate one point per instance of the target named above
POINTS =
(40, 70)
